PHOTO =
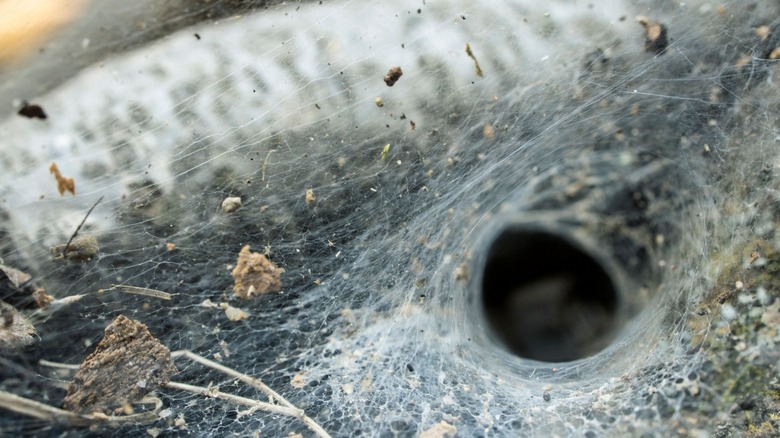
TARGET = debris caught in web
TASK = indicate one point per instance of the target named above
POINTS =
(15, 330)
(439, 430)
(127, 364)
(63, 183)
(32, 111)
(16, 277)
(81, 249)
(393, 75)
(477, 68)
(231, 204)
(310, 197)
(255, 275)
(656, 39)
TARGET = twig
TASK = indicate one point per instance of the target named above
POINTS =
(75, 233)
(64, 366)
(251, 381)
(255, 383)
(32, 408)
(211, 392)
(139, 291)
(50, 413)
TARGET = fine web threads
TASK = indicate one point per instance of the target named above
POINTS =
(382, 216)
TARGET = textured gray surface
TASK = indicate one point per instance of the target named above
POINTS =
(665, 166)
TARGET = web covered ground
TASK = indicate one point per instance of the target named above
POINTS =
(382, 203)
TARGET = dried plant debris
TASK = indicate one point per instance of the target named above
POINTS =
(136, 290)
(21, 285)
(231, 204)
(477, 68)
(15, 330)
(32, 111)
(80, 249)
(63, 183)
(656, 39)
(127, 364)
(16, 277)
(393, 76)
(233, 313)
(42, 299)
(255, 275)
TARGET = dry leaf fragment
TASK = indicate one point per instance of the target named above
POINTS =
(127, 364)
(63, 183)
(82, 248)
(15, 276)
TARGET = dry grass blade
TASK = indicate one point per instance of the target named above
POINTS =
(136, 290)
(253, 382)
(32, 408)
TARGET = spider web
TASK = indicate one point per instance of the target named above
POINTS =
(380, 202)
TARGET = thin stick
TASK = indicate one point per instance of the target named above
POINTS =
(215, 393)
(64, 366)
(139, 291)
(255, 383)
(251, 381)
(75, 233)
(265, 164)
(32, 408)
(286, 407)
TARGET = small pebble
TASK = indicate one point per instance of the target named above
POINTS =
(546, 396)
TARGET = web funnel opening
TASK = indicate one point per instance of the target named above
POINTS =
(550, 312)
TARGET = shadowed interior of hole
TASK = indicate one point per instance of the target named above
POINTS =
(545, 298)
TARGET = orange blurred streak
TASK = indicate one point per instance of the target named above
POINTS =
(25, 25)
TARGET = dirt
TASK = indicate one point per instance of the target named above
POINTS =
(255, 275)
(32, 111)
(393, 75)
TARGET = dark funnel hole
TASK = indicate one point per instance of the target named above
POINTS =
(546, 298)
